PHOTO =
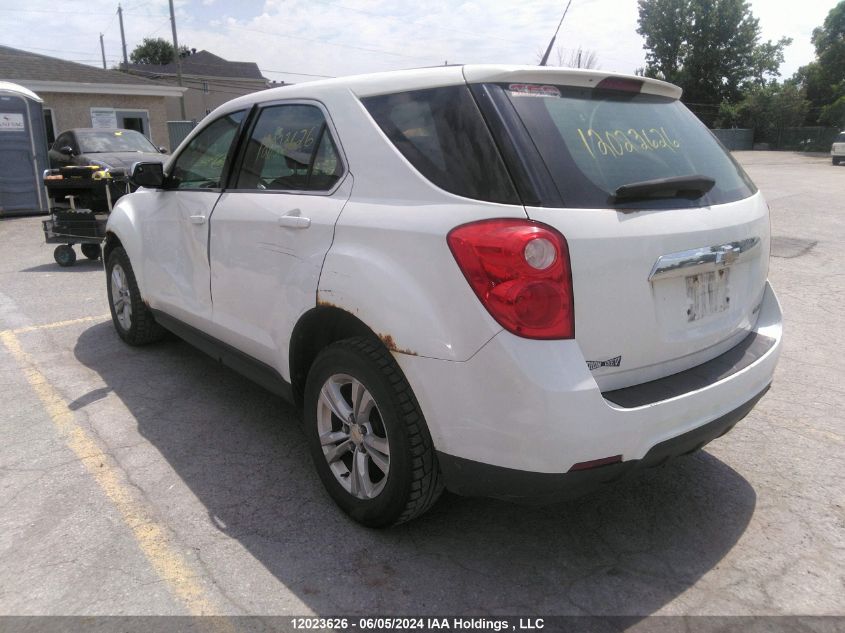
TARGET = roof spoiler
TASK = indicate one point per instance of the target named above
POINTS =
(576, 77)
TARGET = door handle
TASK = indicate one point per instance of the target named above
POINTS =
(294, 220)
(197, 219)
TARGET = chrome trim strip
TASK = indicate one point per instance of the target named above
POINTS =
(703, 259)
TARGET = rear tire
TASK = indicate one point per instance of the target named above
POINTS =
(835, 161)
(91, 251)
(64, 255)
(379, 464)
(132, 319)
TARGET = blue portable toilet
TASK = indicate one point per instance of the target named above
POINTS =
(23, 152)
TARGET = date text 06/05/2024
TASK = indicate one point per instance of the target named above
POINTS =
(417, 624)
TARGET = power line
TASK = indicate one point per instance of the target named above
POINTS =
(288, 72)
(423, 24)
(40, 11)
(146, 15)
(306, 39)
(55, 50)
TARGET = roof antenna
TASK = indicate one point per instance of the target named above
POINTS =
(552, 43)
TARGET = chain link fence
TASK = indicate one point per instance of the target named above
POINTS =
(796, 139)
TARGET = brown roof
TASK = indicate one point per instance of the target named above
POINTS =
(204, 64)
(18, 65)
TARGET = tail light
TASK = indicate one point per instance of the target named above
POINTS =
(520, 271)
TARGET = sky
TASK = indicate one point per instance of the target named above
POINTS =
(301, 40)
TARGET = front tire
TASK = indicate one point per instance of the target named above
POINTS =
(835, 161)
(132, 319)
(367, 435)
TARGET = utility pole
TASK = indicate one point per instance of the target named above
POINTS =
(103, 51)
(552, 43)
(178, 60)
(122, 36)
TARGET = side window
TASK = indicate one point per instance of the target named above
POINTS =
(327, 168)
(443, 135)
(290, 149)
(200, 165)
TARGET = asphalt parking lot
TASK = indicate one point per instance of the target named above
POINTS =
(153, 481)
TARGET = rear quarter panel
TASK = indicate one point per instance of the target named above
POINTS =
(390, 264)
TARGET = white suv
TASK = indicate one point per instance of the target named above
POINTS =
(509, 281)
(837, 150)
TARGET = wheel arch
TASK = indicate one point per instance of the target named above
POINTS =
(315, 330)
(111, 242)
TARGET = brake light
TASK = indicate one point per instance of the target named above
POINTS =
(520, 271)
(621, 84)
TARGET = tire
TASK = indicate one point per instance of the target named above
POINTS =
(391, 432)
(64, 255)
(835, 161)
(91, 251)
(132, 319)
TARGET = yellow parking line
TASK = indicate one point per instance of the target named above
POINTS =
(50, 326)
(152, 538)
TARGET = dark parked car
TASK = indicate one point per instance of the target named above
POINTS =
(108, 148)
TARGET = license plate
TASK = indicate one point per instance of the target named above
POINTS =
(707, 294)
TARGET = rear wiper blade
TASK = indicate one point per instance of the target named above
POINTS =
(690, 187)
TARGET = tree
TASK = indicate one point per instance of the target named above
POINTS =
(824, 78)
(155, 51)
(710, 48)
(833, 114)
(572, 58)
(768, 110)
(578, 58)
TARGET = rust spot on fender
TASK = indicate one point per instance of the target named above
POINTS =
(390, 344)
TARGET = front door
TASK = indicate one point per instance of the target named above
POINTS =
(20, 182)
(175, 223)
(271, 231)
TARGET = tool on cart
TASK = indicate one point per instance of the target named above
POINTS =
(80, 200)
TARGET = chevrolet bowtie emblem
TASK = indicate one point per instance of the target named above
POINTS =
(612, 362)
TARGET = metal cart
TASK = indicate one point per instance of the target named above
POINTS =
(81, 199)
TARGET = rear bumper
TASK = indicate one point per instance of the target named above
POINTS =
(474, 479)
(532, 408)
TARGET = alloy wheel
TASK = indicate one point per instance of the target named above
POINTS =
(353, 437)
(120, 297)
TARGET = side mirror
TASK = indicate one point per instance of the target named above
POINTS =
(150, 175)
(67, 150)
(162, 150)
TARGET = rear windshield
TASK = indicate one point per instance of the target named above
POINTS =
(840, 138)
(595, 141)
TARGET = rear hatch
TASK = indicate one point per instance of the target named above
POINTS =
(668, 238)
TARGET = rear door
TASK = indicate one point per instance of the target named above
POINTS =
(665, 276)
(174, 223)
(270, 232)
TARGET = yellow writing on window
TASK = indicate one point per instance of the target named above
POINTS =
(286, 141)
(619, 142)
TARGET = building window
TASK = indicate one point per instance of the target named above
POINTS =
(205, 87)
